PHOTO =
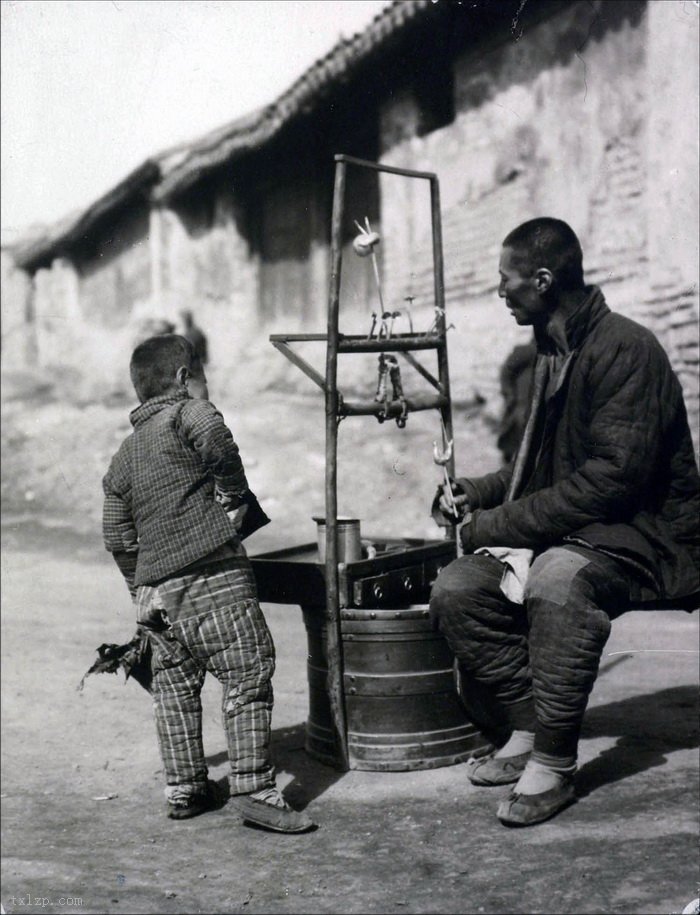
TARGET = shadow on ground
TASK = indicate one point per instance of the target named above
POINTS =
(648, 728)
(310, 779)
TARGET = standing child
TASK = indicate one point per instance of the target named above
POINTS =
(175, 499)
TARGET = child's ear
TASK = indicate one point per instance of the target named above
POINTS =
(182, 374)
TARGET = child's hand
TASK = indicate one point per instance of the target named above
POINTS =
(229, 501)
(149, 609)
(236, 515)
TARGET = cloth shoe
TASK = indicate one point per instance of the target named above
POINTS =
(268, 808)
(184, 804)
(497, 770)
(527, 809)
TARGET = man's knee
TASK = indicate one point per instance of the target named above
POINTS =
(568, 627)
(462, 585)
(578, 584)
(554, 575)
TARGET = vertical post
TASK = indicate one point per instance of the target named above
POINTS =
(439, 280)
(333, 634)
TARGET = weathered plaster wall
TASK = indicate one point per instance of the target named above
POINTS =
(210, 269)
(19, 344)
(521, 133)
(673, 208)
(71, 340)
(115, 270)
(83, 311)
(590, 116)
(575, 119)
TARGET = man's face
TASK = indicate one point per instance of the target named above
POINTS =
(520, 292)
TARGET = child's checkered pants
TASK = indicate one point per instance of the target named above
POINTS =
(216, 625)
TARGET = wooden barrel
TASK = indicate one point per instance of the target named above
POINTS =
(320, 734)
(402, 707)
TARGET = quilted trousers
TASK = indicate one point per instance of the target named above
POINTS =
(216, 625)
(539, 661)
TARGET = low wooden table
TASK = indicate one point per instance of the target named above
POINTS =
(402, 707)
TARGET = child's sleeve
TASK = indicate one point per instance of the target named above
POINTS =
(205, 430)
(118, 527)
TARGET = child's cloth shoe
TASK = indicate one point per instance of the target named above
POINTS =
(183, 804)
(268, 808)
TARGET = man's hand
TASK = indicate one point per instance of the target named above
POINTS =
(466, 533)
(442, 511)
(446, 501)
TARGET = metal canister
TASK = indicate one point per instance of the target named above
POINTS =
(348, 537)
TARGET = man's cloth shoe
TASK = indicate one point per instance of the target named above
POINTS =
(527, 809)
(495, 770)
(267, 808)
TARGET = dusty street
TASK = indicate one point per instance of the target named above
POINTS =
(418, 842)
(388, 842)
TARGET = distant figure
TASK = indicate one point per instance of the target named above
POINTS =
(160, 326)
(153, 327)
(195, 335)
(515, 377)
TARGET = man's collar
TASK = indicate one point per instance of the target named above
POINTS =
(576, 326)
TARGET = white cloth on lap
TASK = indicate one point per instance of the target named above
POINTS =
(517, 562)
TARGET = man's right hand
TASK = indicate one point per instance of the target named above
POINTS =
(460, 502)
(442, 511)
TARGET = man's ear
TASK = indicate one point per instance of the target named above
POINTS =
(182, 374)
(544, 280)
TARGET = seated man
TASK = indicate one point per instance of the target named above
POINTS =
(600, 507)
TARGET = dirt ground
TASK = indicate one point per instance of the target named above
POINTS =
(83, 825)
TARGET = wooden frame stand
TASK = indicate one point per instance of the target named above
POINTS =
(337, 407)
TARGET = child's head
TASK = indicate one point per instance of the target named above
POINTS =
(163, 365)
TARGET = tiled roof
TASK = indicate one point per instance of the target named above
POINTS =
(42, 245)
(167, 174)
(252, 131)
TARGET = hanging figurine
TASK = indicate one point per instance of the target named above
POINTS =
(364, 245)
(439, 315)
(374, 324)
(409, 304)
(382, 396)
(389, 368)
(397, 390)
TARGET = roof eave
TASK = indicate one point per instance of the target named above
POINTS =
(40, 252)
(244, 135)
